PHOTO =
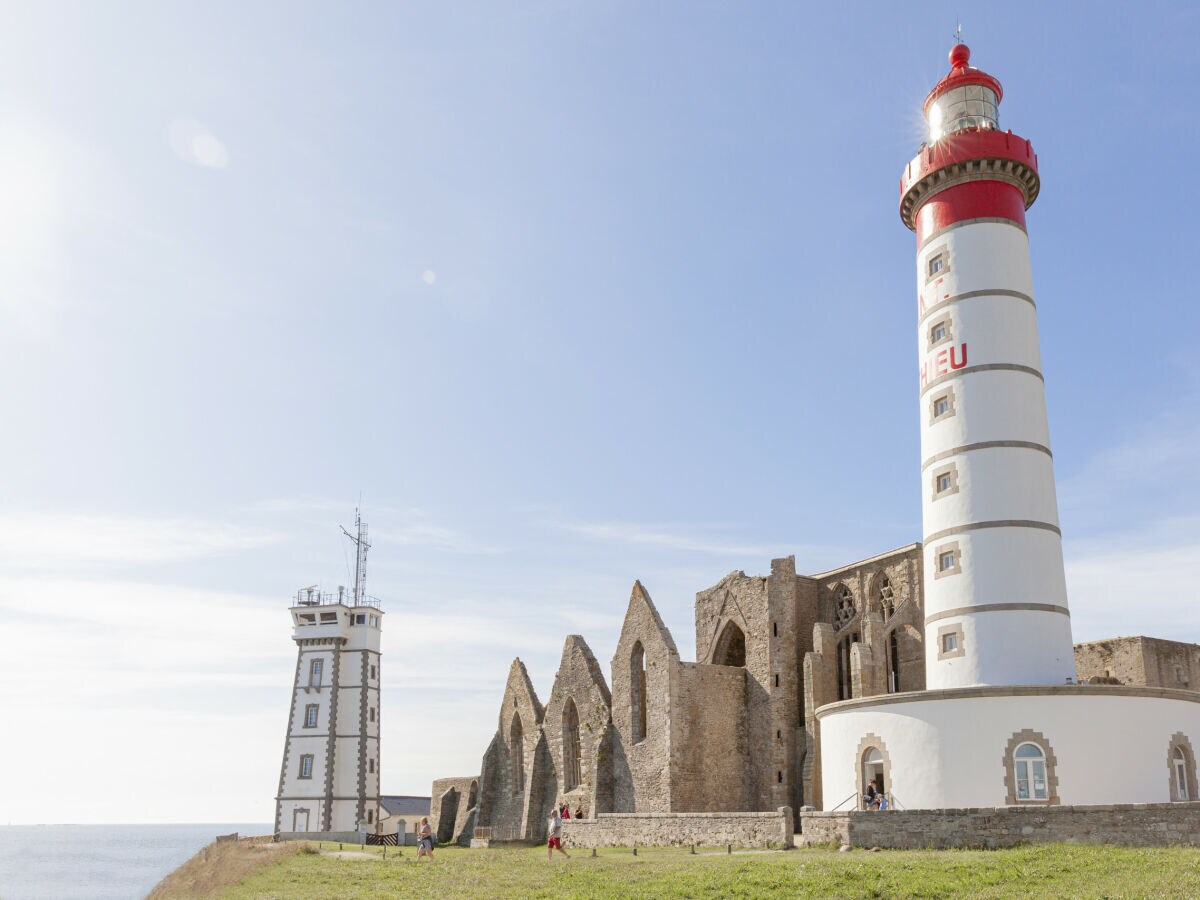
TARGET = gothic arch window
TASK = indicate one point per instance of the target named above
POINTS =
(516, 752)
(637, 691)
(885, 596)
(473, 796)
(844, 610)
(1029, 770)
(1181, 764)
(731, 646)
(570, 746)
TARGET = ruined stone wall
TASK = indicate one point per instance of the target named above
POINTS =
(1172, 664)
(1153, 662)
(887, 599)
(763, 830)
(641, 762)
(1144, 825)
(1112, 661)
(452, 808)
(513, 766)
(710, 739)
(763, 612)
(580, 686)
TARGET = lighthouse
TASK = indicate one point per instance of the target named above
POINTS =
(1002, 722)
(995, 593)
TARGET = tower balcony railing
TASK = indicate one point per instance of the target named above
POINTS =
(343, 597)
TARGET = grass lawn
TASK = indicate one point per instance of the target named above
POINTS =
(1054, 870)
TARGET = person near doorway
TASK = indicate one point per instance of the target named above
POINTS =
(554, 838)
(881, 801)
(579, 810)
(869, 795)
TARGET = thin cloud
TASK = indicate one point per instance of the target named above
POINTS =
(65, 540)
(663, 536)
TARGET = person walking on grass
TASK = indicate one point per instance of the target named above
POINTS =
(425, 835)
(554, 838)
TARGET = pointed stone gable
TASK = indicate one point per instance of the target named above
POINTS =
(642, 609)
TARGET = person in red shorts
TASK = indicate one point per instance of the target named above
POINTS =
(554, 841)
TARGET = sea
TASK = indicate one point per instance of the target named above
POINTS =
(98, 862)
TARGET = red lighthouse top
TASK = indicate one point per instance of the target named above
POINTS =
(962, 74)
(968, 168)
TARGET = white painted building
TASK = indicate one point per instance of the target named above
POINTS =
(1002, 722)
(329, 780)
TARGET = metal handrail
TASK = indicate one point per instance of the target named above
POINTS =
(844, 802)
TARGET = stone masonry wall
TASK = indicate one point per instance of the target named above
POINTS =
(1143, 825)
(452, 808)
(710, 739)
(640, 764)
(748, 829)
(579, 683)
(1118, 659)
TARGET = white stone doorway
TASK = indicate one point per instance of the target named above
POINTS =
(300, 820)
(1182, 793)
(872, 770)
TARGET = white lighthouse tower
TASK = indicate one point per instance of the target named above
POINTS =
(995, 593)
(1002, 723)
(329, 780)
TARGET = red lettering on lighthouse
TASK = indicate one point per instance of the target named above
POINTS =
(940, 362)
(954, 364)
(924, 377)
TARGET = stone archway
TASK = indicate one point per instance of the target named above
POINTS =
(871, 761)
(730, 649)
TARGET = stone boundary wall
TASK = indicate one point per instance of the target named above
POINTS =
(1138, 825)
(741, 829)
(345, 837)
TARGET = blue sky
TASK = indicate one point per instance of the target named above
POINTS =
(573, 294)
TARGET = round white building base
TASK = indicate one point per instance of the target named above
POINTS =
(1012, 746)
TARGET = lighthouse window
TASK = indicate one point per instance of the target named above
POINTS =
(939, 332)
(950, 642)
(360, 619)
(374, 621)
(306, 763)
(328, 617)
(941, 406)
(945, 481)
(937, 264)
(315, 670)
(310, 715)
(947, 560)
(371, 766)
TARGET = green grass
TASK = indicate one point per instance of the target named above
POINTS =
(1047, 870)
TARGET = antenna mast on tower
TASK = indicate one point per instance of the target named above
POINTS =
(361, 544)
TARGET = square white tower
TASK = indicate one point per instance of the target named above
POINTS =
(329, 780)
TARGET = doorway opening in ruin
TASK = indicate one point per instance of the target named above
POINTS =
(637, 691)
(731, 647)
(473, 796)
(893, 654)
(844, 676)
(570, 745)
(516, 752)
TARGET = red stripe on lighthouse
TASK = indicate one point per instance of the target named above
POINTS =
(970, 200)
